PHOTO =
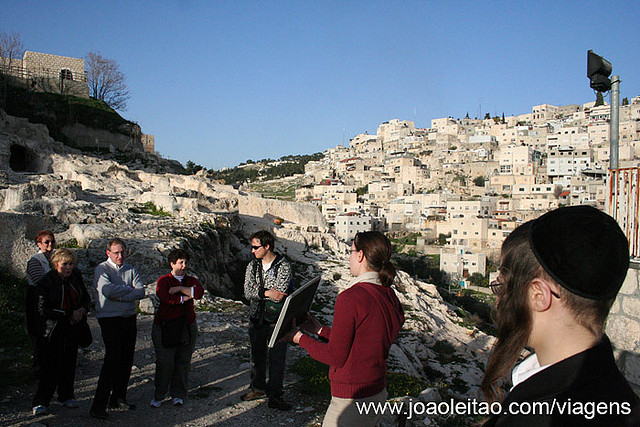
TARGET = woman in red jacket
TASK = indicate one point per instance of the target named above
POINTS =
(366, 321)
(175, 330)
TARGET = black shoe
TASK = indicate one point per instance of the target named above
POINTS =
(122, 404)
(101, 415)
(278, 403)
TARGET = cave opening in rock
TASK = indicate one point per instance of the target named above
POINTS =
(20, 159)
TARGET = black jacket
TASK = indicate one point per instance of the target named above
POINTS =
(588, 382)
(52, 319)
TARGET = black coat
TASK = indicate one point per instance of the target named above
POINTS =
(579, 382)
(52, 318)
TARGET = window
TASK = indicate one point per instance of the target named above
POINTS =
(66, 74)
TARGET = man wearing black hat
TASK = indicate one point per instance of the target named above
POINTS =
(559, 276)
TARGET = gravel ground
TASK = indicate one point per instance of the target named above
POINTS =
(219, 375)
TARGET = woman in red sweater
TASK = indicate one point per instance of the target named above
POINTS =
(175, 330)
(366, 321)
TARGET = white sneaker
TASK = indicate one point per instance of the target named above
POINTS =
(177, 401)
(156, 403)
(39, 410)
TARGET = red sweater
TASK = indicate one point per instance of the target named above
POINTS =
(170, 305)
(366, 321)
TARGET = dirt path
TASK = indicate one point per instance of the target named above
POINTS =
(219, 375)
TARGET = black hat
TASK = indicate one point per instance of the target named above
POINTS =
(583, 249)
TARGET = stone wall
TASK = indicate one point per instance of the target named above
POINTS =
(303, 214)
(623, 326)
(86, 137)
(51, 73)
(149, 143)
(52, 65)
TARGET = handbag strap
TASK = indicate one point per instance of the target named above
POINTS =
(256, 272)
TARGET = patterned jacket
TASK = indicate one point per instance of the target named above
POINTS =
(278, 276)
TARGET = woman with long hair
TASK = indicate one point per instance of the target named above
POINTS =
(366, 321)
(559, 276)
(62, 307)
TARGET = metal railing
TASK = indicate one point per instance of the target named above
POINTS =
(30, 73)
(624, 204)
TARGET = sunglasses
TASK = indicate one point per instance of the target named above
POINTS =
(255, 248)
(46, 242)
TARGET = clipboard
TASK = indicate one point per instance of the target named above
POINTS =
(295, 305)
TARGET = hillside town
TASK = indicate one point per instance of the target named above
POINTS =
(471, 180)
(464, 184)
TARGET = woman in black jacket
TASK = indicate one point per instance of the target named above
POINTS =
(62, 306)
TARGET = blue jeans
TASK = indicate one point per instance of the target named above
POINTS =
(259, 337)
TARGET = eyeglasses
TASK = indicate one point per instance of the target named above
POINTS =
(255, 248)
(496, 288)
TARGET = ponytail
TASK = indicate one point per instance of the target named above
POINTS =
(377, 250)
(387, 273)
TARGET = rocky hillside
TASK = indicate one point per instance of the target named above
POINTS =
(87, 200)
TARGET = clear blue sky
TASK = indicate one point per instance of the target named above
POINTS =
(220, 82)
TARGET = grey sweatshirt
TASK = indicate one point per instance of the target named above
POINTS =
(118, 289)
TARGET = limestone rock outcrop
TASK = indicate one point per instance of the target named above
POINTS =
(86, 200)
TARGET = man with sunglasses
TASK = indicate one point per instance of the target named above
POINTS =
(267, 276)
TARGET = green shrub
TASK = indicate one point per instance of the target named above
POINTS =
(71, 244)
(315, 375)
(56, 111)
(148, 208)
(399, 384)
(316, 379)
(16, 355)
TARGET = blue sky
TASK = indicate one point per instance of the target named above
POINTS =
(220, 82)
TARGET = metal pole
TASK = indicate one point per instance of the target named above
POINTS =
(614, 125)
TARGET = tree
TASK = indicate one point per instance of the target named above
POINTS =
(478, 279)
(625, 101)
(557, 191)
(442, 238)
(599, 100)
(479, 181)
(11, 48)
(106, 81)
(192, 168)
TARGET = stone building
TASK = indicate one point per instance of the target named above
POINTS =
(50, 73)
(148, 143)
(351, 223)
